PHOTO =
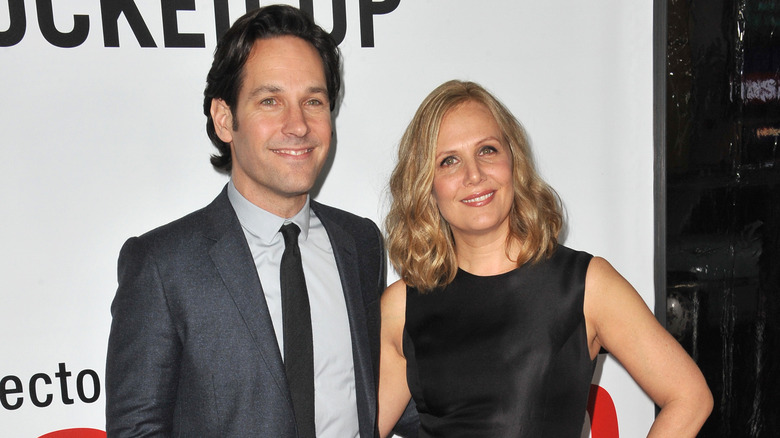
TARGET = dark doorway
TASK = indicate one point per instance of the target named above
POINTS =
(717, 86)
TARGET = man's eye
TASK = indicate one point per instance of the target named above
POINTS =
(314, 102)
(268, 101)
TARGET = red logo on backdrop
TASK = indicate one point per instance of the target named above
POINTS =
(75, 433)
(603, 416)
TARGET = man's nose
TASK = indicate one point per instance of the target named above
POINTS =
(295, 122)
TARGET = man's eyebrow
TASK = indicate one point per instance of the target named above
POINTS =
(321, 90)
(263, 89)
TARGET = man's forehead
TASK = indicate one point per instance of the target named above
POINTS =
(275, 63)
(281, 45)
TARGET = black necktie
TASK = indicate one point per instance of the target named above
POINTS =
(296, 321)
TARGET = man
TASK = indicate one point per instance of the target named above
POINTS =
(199, 341)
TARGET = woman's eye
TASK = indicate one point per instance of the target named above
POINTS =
(487, 150)
(449, 161)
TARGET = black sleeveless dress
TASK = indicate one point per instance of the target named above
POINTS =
(503, 355)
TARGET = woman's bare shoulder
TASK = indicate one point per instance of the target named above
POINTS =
(394, 300)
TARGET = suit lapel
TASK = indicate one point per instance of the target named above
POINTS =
(345, 253)
(234, 263)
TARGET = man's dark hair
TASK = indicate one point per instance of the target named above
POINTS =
(226, 75)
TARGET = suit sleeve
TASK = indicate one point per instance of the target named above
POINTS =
(144, 350)
(382, 280)
(409, 423)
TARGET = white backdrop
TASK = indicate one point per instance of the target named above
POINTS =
(103, 143)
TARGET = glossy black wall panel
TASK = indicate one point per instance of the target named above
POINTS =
(721, 199)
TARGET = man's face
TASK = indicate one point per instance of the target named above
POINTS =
(284, 125)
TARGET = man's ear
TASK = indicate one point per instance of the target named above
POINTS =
(223, 120)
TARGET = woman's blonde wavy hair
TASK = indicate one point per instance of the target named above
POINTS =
(420, 242)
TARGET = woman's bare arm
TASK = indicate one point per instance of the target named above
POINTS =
(620, 321)
(393, 390)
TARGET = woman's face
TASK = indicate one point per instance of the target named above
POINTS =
(472, 183)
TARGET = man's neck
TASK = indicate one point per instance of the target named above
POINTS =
(285, 206)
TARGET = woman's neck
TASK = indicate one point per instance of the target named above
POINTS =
(486, 256)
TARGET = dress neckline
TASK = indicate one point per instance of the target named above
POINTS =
(462, 271)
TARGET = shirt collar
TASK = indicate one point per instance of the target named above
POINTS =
(264, 224)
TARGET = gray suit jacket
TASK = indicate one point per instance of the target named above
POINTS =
(192, 350)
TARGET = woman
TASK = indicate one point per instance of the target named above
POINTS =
(494, 327)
